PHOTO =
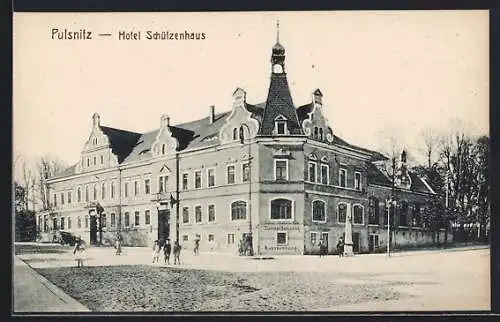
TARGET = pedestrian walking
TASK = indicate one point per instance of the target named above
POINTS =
(320, 244)
(196, 249)
(340, 247)
(156, 251)
(118, 246)
(167, 249)
(177, 253)
(79, 252)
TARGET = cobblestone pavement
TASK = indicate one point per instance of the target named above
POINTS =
(430, 280)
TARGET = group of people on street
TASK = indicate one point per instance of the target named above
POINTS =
(167, 250)
(323, 247)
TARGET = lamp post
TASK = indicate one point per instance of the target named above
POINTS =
(250, 235)
(391, 202)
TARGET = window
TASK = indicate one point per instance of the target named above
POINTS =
(312, 172)
(185, 177)
(357, 214)
(343, 178)
(416, 221)
(197, 179)
(69, 196)
(103, 222)
(319, 210)
(113, 220)
(95, 192)
(87, 221)
(62, 223)
(375, 240)
(281, 127)
(136, 188)
(148, 217)
(126, 189)
(230, 239)
(315, 132)
(211, 213)
(102, 159)
(127, 219)
(239, 210)
(373, 212)
(281, 238)
(120, 221)
(211, 237)
(320, 134)
(112, 189)
(69, 222)
(163, 149)
(230, 174)
(62, 198)
(147, 187)
(88, 162)
(314, 238)
(185, 238)
(245, 172)
(235, 134)
(185, 215)
(324, 173)
(211, 177)
(242, 134)
(103, 191)
(79, 194)
(281, 209)
(78, 222)
(161, 186)
(197, 214)
(137, 220)
(342, 212)
(55, 200)
(87, 193)
(403, 214)
(357, 180)
(95, 160)
(56, 224)
(280, 169)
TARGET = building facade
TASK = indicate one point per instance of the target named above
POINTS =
(272, 169)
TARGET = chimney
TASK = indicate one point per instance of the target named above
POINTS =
(165, 121)
(212, 114)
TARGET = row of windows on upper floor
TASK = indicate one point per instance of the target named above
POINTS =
(281, 173)
(88, 162)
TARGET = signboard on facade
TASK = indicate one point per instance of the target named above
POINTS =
(282, 227)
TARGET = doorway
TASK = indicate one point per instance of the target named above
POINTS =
(372, 242)
(355, 242)
(163, 225)
(324, 240)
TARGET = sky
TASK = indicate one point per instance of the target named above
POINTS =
(381, 72)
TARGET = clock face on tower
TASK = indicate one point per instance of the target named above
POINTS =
(277, 69)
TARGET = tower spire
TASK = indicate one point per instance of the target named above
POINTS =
(277, 31)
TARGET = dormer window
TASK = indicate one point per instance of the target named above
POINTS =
(163, 149)
(235, 134)
(320, 134)
(280, 127)
(94, 141)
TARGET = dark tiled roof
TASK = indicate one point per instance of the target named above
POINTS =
(376, 156)
(377, 177)
(66, 172)
(303, 110)
(122, 142)
(279, 102)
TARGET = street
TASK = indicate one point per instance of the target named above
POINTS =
(453, 279)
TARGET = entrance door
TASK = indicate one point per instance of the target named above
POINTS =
(355, 242)
(324, 239)
(93, 230)
(371, 243)
(163, 225)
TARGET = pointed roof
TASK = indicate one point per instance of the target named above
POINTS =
(279, 102)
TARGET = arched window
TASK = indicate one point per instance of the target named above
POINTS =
(239, 210)
(103, 191)
(87, 193)
(319, 211)
(281, 209)
(321, 134)
(315, 132)
(416, 219)
(373, 211)
(95, 192)
(235, 134)
(242, 134)
(357, 214)
(342, 212)
(79, 194)
(112, 189)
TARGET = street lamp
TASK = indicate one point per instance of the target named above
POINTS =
(250, 235)
(391, 202)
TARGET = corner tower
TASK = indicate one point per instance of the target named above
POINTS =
(280, 117)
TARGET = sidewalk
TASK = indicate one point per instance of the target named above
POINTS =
(34, 293)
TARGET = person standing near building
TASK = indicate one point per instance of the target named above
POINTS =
(156, 251)
(167, 249)
(320, 244)
(177, 253)
(340, 247)
(79, 252)
(196, 249)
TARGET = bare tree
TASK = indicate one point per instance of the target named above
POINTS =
(47, 166)
(429, 140)
(28, 184)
